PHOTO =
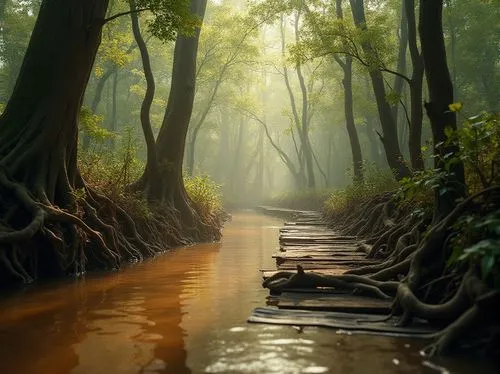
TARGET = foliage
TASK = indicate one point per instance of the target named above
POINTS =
(91, 125)
(479, 244)
(479, 139)
(418, 189)
(376, 182)
(111, 171)
(205, 194)
(169, 18)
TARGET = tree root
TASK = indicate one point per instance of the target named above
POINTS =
(93, 232)
(283, 280)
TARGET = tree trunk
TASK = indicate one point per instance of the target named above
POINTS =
(38, 146)
(416, 82)
(390, 137)
(346, 65)
(296, 119)
(114, 107)
(440, 95)
(401, 65)
(96, 100)
(357, 158)
(170, 144)
(190, 152)
(304, 133)
(236, 169)
(151, 160)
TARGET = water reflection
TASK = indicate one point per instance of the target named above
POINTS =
(184, 312)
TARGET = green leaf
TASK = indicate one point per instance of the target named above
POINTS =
(487, 263)
(455, 107)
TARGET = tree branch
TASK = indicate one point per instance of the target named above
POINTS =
(117, 15)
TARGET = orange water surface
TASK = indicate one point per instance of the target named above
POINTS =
(185, 312)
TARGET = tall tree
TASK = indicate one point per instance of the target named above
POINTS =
(415, 83)
(147, 129)
(53, 223)
(390, 137)
(438, 110)
(346, 66)
(167, 185)
(38, 145)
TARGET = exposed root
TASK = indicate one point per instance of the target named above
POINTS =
(92, 232)
(283, 280)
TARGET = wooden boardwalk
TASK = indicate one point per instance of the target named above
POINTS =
(309, 242)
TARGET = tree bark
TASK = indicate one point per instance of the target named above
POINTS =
(416, 101)
(304, 133)
(170, 143)
(346, 65)
(38, 141)
(401, 65)
(114, 107)
(296, 119)
(390, 137)
(441, 96)
(151, 160)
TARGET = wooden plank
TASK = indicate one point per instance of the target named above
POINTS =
(266, 273)
(308, 236)
(311, 265)
(299, 224)
(319, 254)
(357, 323)
(327, 260)
(346, 303)
(336, 251)
(321, 247)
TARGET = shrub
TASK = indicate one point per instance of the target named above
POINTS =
(205, 194)
(376, 181)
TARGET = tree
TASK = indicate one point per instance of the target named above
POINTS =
(438, 108)
(53, 223)
(151, 160)
(225, 48)
(389, 138)
(346, 66)
(166, 185)
(38, 146)
(415, 83)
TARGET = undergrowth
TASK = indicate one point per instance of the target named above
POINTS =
(111, 164)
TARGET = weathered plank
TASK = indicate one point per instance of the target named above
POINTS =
(318, 242)
(320, 265)
(342, 302)
(267, 273)
(358, 323)
(299, 254)
(300, 224)
(353, 247)
(334, 260)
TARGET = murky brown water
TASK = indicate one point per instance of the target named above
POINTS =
(184, 312)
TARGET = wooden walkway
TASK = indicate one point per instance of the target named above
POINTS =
(309, 242)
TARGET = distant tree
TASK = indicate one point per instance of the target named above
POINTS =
(389, 138)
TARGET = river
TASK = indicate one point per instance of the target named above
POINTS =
(184, 312)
